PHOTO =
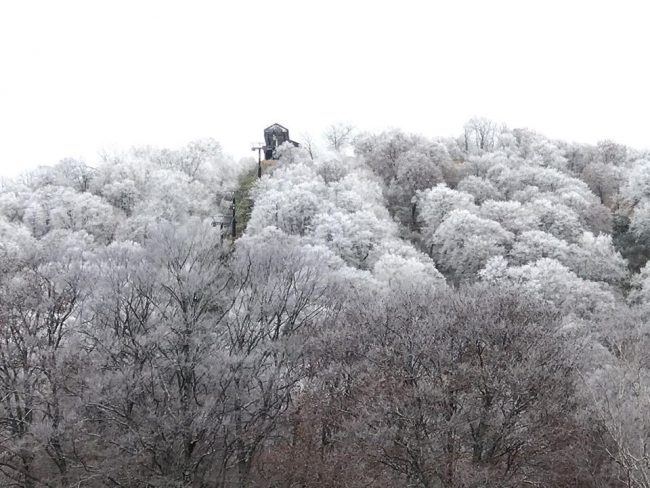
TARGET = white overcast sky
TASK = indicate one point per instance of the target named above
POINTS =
(80, 76)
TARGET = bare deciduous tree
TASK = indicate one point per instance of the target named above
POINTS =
(338, 136)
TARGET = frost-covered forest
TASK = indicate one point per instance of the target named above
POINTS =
(396, 311)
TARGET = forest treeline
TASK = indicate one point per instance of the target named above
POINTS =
(399, 311)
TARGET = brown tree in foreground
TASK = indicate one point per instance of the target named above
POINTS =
(462, 389)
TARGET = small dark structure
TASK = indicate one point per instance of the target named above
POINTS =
(228, 205)
(274, 136)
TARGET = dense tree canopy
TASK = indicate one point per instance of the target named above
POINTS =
(460, 312)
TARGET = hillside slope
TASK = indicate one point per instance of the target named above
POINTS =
(414, 312)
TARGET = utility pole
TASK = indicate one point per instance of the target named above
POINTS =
(259, 148)
(234, 219)
(414, 206)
